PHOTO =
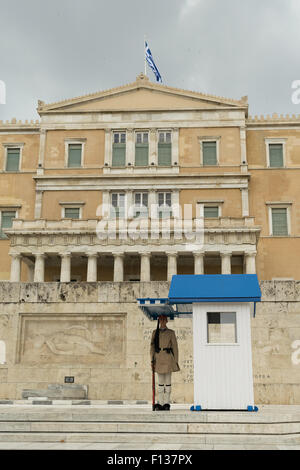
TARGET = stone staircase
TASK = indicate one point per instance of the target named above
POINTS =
(139, 426)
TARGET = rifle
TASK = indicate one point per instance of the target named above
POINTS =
(153, 385)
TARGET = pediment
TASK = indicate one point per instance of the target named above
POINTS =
(142, 95)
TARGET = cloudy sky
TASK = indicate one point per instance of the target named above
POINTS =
(58, 49)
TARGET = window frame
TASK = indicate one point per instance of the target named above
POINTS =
(215, 139)
(136, 132)
(202, 204)
(279, 205)
(13, 145)
(269, 141)
(142, 193)
(164, 204)
(111, 204)
(8, 209)
(164, 131)
(74, 141)
(114, 132)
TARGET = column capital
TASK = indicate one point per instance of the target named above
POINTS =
(145, 253)
(40, 255)
(65, 254)
(225, 253)
(119, 255)
(171, 253)
(199, 253)
(15, 255)
(92, 254)
(250, 253)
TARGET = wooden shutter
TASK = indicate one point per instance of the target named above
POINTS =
(211, 212)
(276, 155)
(209, 150)
(164, 154)
(74, 157)
(119, 155)
(279, 221)
(13, 159)
(141, 149)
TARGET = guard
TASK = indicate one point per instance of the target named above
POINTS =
(164, 360)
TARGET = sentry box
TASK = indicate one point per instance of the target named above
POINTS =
(221, 308)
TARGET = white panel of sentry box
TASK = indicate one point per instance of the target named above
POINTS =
(223, 378)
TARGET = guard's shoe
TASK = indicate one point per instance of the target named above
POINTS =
(158, 407)
(166, 407)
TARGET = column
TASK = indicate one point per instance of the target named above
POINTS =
(198, 262)
(130, 147)
(92, 267)
(15, 268)
(40, 170)
(172, 264)
(107, 148)
(175, 147)
(250, 262)
(226, 263)
(38, 204)
(118, 267)
(39, 267)
(65, 267)
(153, 147)
(145, 266)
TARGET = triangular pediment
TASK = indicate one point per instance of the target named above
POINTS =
(142, 95)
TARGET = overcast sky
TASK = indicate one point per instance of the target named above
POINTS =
(59, 49)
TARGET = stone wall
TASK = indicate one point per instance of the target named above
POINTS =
(96, 333)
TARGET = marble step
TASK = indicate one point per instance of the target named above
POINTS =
(155, 428)
(150, 438)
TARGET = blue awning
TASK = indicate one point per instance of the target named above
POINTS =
(188, 289)
(214, 288)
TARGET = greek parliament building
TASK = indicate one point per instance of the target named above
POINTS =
(91, 198)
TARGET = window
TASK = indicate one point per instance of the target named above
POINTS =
(6, 221)
(141, 148)
(164, 148)
(72, 213)
(276, 155)
(209, 153)
(13, 159)
(74, 155)
(118, 205)
(164, 205)
(211, 212)
(119, 149)
(221, 327)
(141, 205)
(280, 221)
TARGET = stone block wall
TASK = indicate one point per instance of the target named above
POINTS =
(96, 333)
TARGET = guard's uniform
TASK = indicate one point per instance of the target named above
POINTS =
(166, 362)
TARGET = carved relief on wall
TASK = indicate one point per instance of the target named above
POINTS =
(72, 339)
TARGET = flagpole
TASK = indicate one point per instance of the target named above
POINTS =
(145, 64)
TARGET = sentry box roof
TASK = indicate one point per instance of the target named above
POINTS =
(188, 289)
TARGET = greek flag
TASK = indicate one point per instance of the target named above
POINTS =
(151, 63)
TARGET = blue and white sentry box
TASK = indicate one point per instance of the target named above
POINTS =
(220, 306)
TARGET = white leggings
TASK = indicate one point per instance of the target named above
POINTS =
(164, 388)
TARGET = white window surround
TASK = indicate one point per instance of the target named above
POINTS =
(8, 209)
(279, 205)
(13, 145)
(78, 141)
(275, 140)
(208, 203)
(71, 205)
(216, 139)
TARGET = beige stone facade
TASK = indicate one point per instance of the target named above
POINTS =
(235, 196)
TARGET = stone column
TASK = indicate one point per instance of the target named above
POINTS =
(39, 267)
(198, 262)
(145, 266)
(245, 202)
(172, 265)
(118, 267)
(250, 263)
(15, 268)
(65, 267)
(226, 263)
(92, 267)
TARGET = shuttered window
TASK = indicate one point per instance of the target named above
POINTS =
(276, 155)
(141, 149)
(13, 159)
(141, 205)
(279, 222)
(74, 155)
(118, 205)
(164, 149)
(119, 149)
(211, 212)
(72, 213)
(209, 151)
(6, 221)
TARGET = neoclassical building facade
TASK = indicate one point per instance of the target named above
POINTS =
(144, 181)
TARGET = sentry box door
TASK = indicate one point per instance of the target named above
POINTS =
(222, 356)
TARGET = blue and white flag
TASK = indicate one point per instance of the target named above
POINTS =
(151, 63)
